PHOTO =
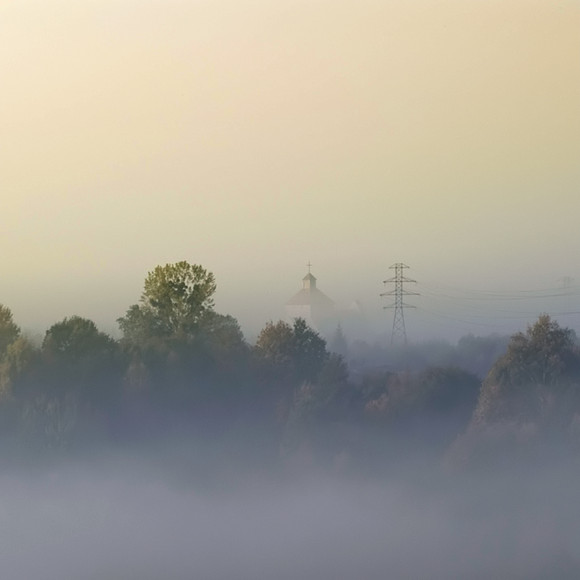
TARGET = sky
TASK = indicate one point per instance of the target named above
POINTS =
(251, 136)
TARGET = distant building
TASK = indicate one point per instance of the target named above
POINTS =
(322, 314)
(313, 305)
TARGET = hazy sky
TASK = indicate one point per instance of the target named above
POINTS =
(252, 136)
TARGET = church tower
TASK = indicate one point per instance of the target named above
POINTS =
(315, 307)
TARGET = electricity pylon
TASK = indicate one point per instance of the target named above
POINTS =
(399, 334)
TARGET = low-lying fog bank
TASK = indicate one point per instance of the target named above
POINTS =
(107, 523)
(182, 452)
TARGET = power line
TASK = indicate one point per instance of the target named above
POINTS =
(494, 308)
(399, 333)
(489, 295)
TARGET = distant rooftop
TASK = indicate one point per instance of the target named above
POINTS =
(310, 295)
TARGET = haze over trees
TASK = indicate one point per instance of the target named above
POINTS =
(442, 448)
(529, 403)
(184, 372)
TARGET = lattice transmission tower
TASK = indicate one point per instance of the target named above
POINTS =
(399, 334)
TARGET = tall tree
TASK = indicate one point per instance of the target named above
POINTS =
(175, 299)
(185, 356)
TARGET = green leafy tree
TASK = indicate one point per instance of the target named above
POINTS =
(539, 365)
(288, 361)
(66, 390)
(275, 342)
(20, 376)
(529, 400)
(292, 353)
(76, 338)
(78, 358)
(309, 350)
(18, 363)
(9, 330)
(175, 300)
(185, 357)
(19, 368)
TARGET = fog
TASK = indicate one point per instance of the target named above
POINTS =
(147, 435)
(110, 522)
(253, 136)
(182, 452)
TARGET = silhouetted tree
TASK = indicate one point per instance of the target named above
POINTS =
(295, 353)
(69, 388)
(319, 413)
(414, 416)
(539, 364)
(19, 369)
(9, 330)
(529, 401)
(288, 358)
(78, 357)
(20, 374)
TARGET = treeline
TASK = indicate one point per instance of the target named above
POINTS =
(183, 380)
(476, 354)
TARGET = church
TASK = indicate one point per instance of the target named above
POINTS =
(313, 305)
(320, 312)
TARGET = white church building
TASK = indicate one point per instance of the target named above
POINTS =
(321, 313)
(313, 305)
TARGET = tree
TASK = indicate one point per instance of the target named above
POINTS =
(175, 299)
(17, 369)
(78, 358)
(275, 344)
(435, 397)
(295, 352)
(447, 391)
(338, 343)
(19, 378)
(309, 350)
(185, 357)
(66, 389)
(76, 338)
(529, 400)
(224, 341)
(318, 414)
(287, 357)
(9, 331)
(539, 364)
